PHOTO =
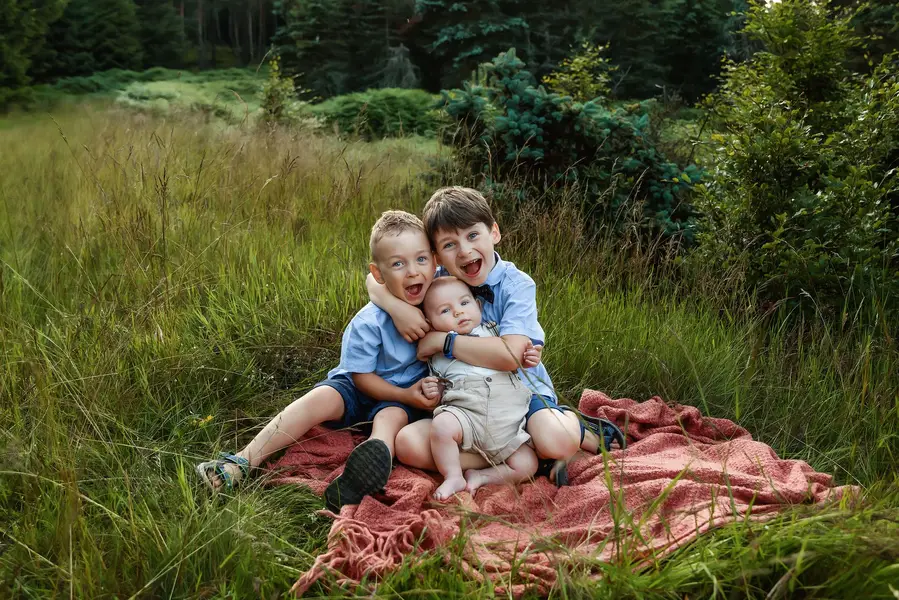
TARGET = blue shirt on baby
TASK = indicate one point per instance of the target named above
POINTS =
(372, 344)
(514, 310)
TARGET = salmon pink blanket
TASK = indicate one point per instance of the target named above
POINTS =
(680, 475)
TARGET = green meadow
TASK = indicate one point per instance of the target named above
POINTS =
(168, 283)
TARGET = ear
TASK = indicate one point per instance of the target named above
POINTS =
(375, 272)
(494, 233)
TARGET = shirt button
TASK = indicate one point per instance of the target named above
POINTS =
(489, 380)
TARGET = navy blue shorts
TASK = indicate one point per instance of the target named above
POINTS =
(359, 409)
(539, 402)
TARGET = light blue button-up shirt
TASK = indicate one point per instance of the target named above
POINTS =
(372, 344)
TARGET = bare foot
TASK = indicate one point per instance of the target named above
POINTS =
(474, 479)
(450, 486)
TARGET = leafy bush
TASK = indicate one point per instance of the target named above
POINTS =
(111, 80)
(511, 131)
(584, 76)
(803, 193)
(278, 96)
(380, 113)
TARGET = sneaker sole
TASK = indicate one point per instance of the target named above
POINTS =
(367, 471)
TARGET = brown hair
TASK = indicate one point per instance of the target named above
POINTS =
(392, 222)
(454, 208)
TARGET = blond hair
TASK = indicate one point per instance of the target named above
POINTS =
(392, 223)
(454, 208)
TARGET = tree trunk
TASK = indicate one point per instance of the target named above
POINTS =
(262, 31)
(216, 24)
(201, 50)
(250, 31)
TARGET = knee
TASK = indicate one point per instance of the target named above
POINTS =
(391, 416)
(444, 427)
(411, 449)
(524, 461)
(554, 435)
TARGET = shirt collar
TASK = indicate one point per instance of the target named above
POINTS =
(498, 271)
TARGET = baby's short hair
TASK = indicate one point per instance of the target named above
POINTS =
(439, 283)
(392, 222)
(453, 208)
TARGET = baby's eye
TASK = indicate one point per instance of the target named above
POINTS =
(465, 302)
(398, 263)
(444, 311)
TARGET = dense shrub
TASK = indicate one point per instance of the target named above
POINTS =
(512, 131)
(111, 80)
(379, 113)
(583, 76)
(803, 193)
(279, 101)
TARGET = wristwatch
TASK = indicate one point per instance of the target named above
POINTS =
(448, 344)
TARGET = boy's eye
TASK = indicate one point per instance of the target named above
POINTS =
(422, 259)
(472, 235)
(398, 263)
(447, 245)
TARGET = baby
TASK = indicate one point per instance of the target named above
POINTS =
(482, 410)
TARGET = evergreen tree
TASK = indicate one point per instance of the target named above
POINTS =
(634, 31)
(463, 35)
(698, 38)
(160, 33)
(92, 35)
(23, 24)
(334, 46)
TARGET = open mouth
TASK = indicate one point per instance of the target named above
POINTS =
(473, 268)
(413, 291)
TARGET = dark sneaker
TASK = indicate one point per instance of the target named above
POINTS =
(366, 472)
(554, 470)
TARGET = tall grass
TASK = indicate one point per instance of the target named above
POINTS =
(166, 286)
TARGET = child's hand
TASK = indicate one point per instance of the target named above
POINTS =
(431, 344)
(416, 398)
(532, 355)
(410, 322)
(430, 387)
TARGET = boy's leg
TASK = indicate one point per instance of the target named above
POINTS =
(445, 437)
(556, 434)
(413, 448)
(519, 467)
(387, 424)
(369, 464)
(318, 406)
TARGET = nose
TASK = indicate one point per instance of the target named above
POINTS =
(414, 269)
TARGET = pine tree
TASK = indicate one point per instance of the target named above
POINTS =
(463, 35)
(23, 24)
(334, 46)
(160, 34)
(633, 31)
(696, 41)
(92, 35)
